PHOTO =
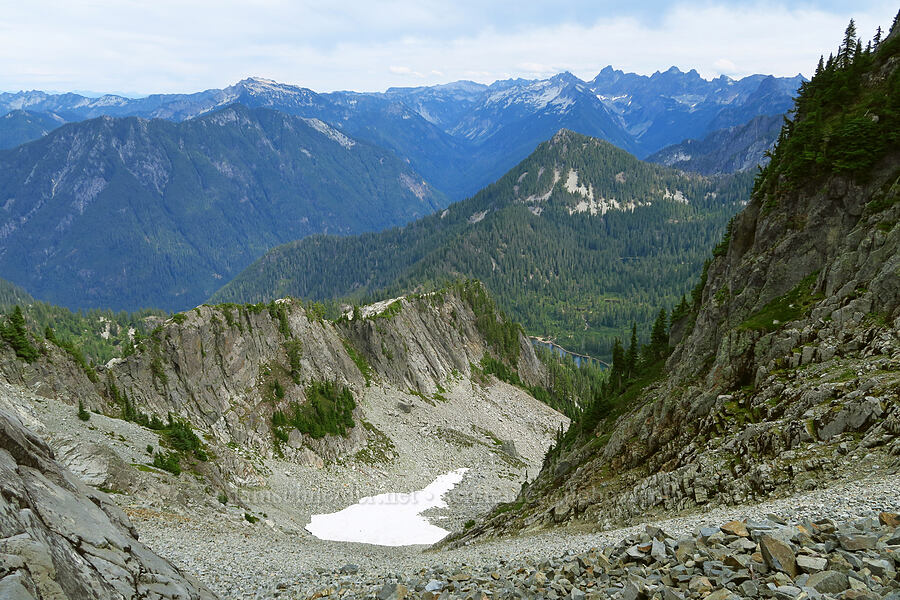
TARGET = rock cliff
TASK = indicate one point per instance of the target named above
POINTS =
(61, 539)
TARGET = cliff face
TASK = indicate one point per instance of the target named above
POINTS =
(787, 375)
(62, 539)
(218, 366)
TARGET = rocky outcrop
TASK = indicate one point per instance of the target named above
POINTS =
(751, 407)
(62, 539)
(227, 368)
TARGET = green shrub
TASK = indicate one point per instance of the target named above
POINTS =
(278, 312)
(328, 411)
(179, 436)
(82, 413)
(167, 461)
(360, 361)
(294, 350)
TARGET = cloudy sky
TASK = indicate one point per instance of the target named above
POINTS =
(139, 46)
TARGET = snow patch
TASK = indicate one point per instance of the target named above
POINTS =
(478, 216)
(330, 132)
(677, 196)
(392, 519)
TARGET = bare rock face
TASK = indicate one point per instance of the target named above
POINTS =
(94, 464)
(61, 539)
(218, 366)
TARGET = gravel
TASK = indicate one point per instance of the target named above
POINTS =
(239, 560)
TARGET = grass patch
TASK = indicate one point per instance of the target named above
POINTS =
(784, 309)
(360, 361)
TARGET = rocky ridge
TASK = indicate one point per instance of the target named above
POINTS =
(423, 408)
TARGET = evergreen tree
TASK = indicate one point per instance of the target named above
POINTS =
(659, 335)
(16, 335)
(617, 374)
(631, 356)
(83, 414)
(845, 53)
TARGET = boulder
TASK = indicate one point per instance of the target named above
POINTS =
(828, 582)
(778, 555)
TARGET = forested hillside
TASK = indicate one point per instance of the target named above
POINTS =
(20, 126)
(127, 213)
(577, 242)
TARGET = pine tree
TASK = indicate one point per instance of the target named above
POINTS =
(632, 355)
(16, 335)
(617, 374)
(659, 335)
(845, 53)
(876, 41)
(820, 68)
(83, 414)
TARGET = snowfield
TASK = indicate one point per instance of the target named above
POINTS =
(393, 519)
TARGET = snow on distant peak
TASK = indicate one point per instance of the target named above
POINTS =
(330, 132)
(536, 95)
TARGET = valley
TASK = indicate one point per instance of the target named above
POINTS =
(596, 378)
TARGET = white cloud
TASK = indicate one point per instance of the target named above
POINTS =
(169, 45)
(725, 66)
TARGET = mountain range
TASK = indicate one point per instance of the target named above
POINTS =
(735, 149)
(464, 135)
(126, 212)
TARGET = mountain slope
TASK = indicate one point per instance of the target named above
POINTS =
(125, 213)
(20, 126)
(738, 148)
(569, 242)
(786, 372)
(233, 410)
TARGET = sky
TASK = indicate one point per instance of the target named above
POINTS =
(136, 47)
